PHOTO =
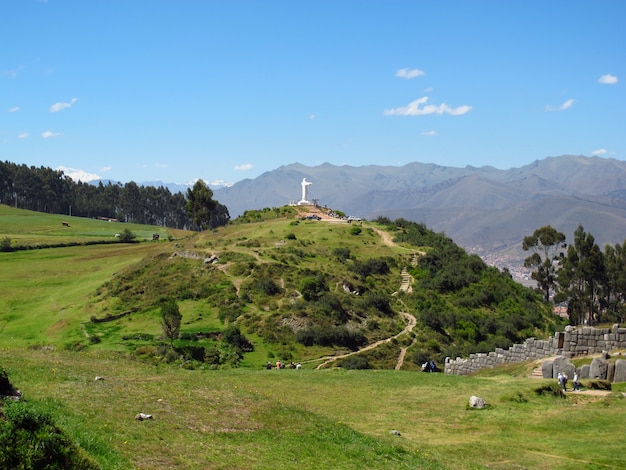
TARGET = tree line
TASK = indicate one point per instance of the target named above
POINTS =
(46, 190)
(591, 281)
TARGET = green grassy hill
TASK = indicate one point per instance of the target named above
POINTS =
(296, 289)
(289, 288)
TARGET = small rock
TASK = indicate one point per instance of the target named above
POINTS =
(395, 433)
(98, 378)
(477, 402)
(142, 416)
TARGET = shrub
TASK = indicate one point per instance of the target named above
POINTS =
(127, 236)
(29, 439)
(341, 253)
(5, 244)
(355, 363)
(233, 336)
(312, 288)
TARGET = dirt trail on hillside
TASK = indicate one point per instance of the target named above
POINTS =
(411, 320)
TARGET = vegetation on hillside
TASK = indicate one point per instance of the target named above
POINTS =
(303, 289)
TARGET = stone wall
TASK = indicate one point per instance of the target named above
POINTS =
(574, 341)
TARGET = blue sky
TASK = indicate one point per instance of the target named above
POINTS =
(148, 90)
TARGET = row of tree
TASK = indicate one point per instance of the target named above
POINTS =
(592, 282)
(47, 190)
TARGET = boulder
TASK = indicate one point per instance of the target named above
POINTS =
(598, 368)
(563, 365)
(477, 402)
(546, 369)
(610, 373)
(620, 371)
(584, 371)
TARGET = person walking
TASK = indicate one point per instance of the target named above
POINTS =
(575, 381)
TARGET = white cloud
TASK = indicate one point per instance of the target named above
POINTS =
(608, 79)
(56, 107)
(429, 133)
(78, 175)
(14, 109)
(244, 167)
(106, 169)
(22, 135)
(49, 134)
(415, 109)
(312, 116)
(568, 104)
(210, 184)
(410, 73)
(599, 152)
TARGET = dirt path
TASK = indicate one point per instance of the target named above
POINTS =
(411, 320)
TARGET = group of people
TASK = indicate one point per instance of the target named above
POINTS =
(429, 366)
(282, 365)
(563, 379)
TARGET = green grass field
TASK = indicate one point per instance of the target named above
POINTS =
(308, 419)
(263, 419)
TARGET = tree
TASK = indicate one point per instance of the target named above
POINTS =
(581, 277)
(203, 209)
(547, 244)
(170, 320)
(615, 291)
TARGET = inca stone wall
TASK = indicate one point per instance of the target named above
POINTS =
(569, 343)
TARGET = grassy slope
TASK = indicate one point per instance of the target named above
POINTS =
(267, 419)
(314, 419)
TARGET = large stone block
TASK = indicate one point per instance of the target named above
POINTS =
(563, 365)
(546, 369)
(598, 368)
(584, 371)
(610, 373)
(620, 371)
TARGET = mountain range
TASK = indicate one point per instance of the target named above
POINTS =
(486, 210)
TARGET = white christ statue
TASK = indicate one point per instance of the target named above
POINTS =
(305, 184)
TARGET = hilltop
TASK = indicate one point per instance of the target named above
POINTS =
(485, 210)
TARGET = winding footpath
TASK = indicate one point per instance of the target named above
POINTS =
(405, 286)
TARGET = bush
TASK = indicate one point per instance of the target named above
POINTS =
(331, 336)
(233, 336)
(341, 253)
(127, 236)
(5, 244)
(355, 363)
(29, 439)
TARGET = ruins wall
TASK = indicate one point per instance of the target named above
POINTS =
(574, 341)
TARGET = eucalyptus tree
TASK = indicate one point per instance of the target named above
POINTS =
(581, 277)
(547, 245)
(203, 209)
(615, 290)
